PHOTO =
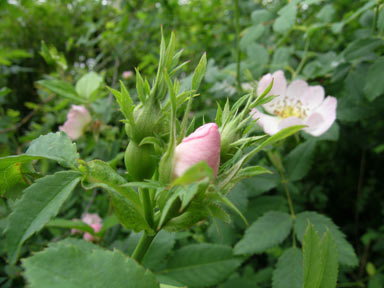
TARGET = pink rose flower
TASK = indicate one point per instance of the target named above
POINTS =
(201, 145)
(92, 220)
(77, 118)
(127, 74)
(297, 104)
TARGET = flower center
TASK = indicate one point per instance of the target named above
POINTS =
(291, 111)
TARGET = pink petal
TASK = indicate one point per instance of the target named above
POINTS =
(322, 118)
(295, 91)
(77, 118)
(91, 218)
(88, 237)
(201, 145)
(270, 124)
(278, 89)
(313, 97)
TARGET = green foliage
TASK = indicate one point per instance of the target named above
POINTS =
(90, 266)
(289, 270)
(322, 224)
(267, 231)
(55, 146)
(299, 161)
(201, 265)
(319, 259)
(88, 85)
(40, 202)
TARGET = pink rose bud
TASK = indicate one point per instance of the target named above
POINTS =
(201, 145)
(127, 74)
(77, 118)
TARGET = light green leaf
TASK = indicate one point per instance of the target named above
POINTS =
(74, 265)
(160, 247)
(88, 84)
(361, 48)
(195, 173)
(260, 16)
(55, 146)
(12, 179)
(201, 265)
(286, 19)
(125, 200)
(299, 161)
(251, 35)
(70, 224)
(269, 230)
(61, 88)
(329, 261)
(199, 72)
(374, 86)
(321, 223)
(289, 270)
(312, 262)
(319, 260)
(40, 202)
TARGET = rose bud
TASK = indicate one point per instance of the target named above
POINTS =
(127, 74)
(77, 118)
(201, 145)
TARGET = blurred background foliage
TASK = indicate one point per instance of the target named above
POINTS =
(52, 51)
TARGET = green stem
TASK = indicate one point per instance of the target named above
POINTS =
(142, 247)
(303, 59)
(238, 52)
(147, 205)
(275, 159)
(376, 16)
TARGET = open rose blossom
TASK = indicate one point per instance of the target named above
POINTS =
(201, 145)
(92, 220)
(77, 118)
(297, 104)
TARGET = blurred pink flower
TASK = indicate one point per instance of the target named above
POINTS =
(77, 118)
(201, 145)
(297, 104)
(127, 74)
(93, 220)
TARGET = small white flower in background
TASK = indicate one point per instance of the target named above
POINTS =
(127, 74)
(77, 118)
(297, 104)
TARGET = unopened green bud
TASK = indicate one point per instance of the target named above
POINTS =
(229, 134)
(140, 161)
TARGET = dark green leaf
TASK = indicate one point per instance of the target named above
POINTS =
(71, 265)
(201, 265)
(289, 270)
(40, 202)
(321, 223)
(55, 146)
(269, 230)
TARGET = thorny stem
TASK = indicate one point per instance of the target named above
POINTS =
(237, 30)
(147, 205)
(142, 247)
(275, 159)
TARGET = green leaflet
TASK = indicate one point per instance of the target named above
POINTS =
(40, 202)
(125, 200)
(201, 265)
(75, 264)
(267, 231)
(289, 270)
(320, 263)
(55, 146)
(322, 223)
